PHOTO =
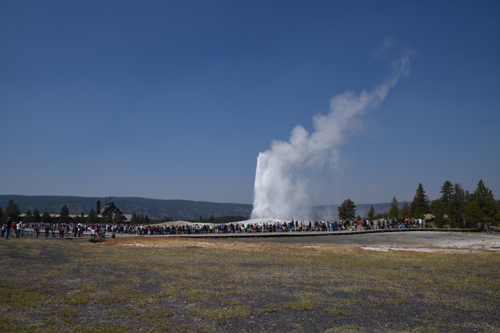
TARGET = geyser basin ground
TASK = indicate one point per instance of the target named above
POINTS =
(170, 284)
(422, 241)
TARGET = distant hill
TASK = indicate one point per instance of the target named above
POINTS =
(154, 208)
(177, 209)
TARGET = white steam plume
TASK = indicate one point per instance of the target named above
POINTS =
(281, 188)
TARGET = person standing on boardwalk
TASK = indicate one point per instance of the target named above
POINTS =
(20, 231)
(7, 228)
(15, 232)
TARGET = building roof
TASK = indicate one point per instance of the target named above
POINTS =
(110, 208)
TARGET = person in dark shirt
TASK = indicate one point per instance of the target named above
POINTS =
(8, 227)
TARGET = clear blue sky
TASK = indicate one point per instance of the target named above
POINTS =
(175, 99)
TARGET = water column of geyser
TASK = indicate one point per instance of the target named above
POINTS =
(281, 187)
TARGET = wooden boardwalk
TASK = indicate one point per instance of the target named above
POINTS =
(303, 233)
(283, 234)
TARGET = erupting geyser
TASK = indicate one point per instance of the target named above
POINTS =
(281, 188)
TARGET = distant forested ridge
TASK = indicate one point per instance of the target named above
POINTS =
(456, 208)
(156, 209)
(159, 209)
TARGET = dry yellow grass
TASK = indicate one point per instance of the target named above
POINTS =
(156, 283)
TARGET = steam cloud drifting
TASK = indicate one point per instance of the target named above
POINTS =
(281, 187)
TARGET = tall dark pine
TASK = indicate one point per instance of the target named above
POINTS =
(419, 205)
(28, 216)
(46, 218)
(371, 213)
(469, 197)
(473, 216)
(439, 220)
(92, 218)
(13, 211)
(485, 201)
(347, 210)
(36, 216)
(436, 207)
(446, 192)
(394, 211)
(405, 210)
(456, 207)
(64, 214)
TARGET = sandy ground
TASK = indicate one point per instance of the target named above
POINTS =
(422, 241)
(419, 241)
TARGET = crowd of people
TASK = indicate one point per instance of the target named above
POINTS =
(61, 230)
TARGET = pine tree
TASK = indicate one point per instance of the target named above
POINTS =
(12, 211)
(419, 205)
(371, 213)
(46, 218)
(92, 218)
(64, 214)
(80, 218)
(405, 210)
(394, 211)
(485, 201)
(456, 207)
(469, 197)
(36, 216)
(439, 220)
(347, 210)
(447, 192)
(436, 207)
(497, 215)
(473, 215)
(28, 217)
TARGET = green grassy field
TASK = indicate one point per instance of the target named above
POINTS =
(177, 285)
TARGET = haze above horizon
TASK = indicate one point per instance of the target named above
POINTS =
(175, 100)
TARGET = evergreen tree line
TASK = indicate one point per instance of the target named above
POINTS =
(456, 208)
(140, 219)
(13, 210)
